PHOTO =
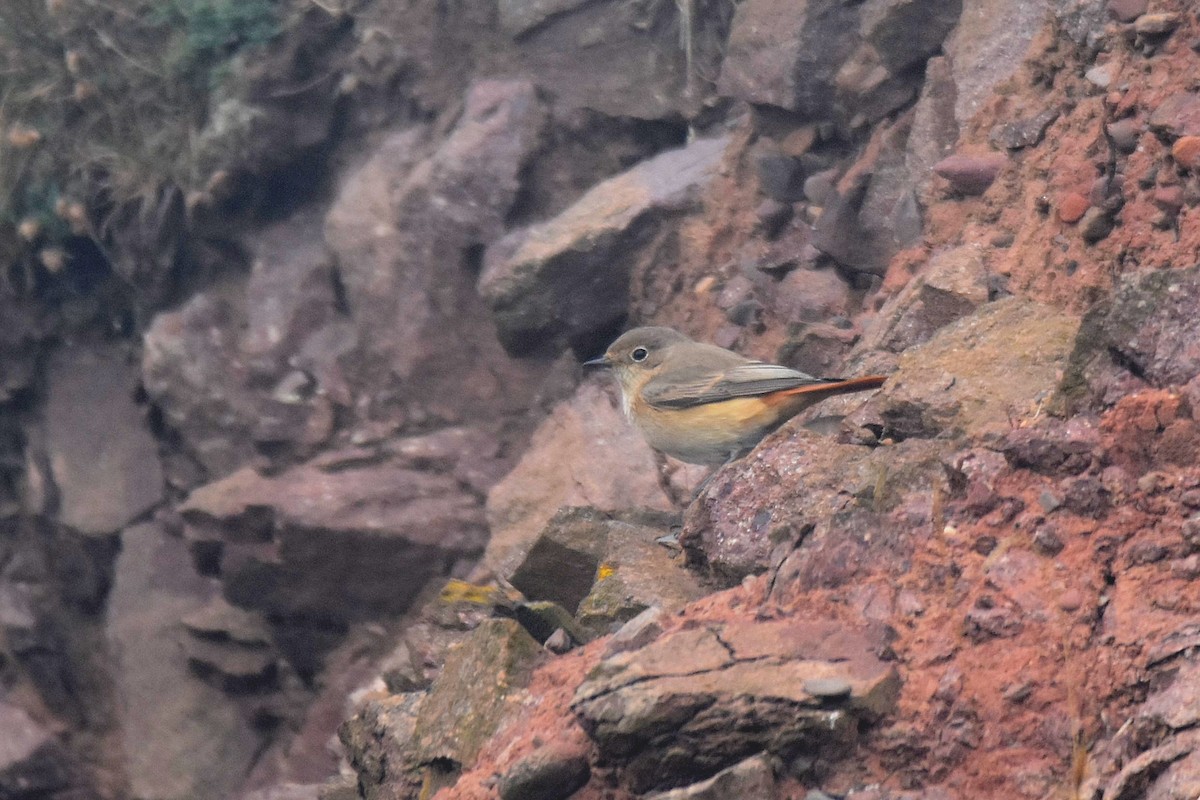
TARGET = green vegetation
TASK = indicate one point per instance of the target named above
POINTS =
(100, 105)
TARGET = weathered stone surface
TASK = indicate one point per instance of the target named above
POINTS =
(804, 490)
(988, 45)
(567, 280)
(841, 232)
(519, 16)
(636, 573)
(549, 773)
(461, 711)
(951, 286)
(1150, 328)
(605, 568)
(785, 56)
(238, 365)
(1054, 447)
(585, 454)
(392, 741)
(1178, 115)
(378, 741)
(974, 374)
(33, 763)
(211, 745)
(103, 461)
(934, 130)
(698, 700)
(906, 32)
(970, 174)
(288, 542)
(403, 229)
(750, 778)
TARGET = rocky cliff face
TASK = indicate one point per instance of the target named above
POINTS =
(304, 495)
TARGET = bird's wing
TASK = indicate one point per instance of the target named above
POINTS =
(684, 389)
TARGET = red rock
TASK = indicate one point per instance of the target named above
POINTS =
(1126, 10)
(971, 174)
(1071, 207)
(1186, 152)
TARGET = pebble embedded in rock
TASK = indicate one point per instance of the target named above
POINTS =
(1168, 198)
(1125, 133)
(773, 215)
(827, 688)
(1186, 152)
(1102, 74)
(1071, 207)
(1095, 225)
(971, 175)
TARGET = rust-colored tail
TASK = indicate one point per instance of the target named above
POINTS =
(839, 386)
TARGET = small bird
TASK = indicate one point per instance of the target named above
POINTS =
(704, 404)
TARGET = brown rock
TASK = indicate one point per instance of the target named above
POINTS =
(1186, 152)
(974, 373)
(968, 174)
(1071, 207)
(1023, 132)
(566, 281)
(1169, 198)
(1153, 325)
(212, 745)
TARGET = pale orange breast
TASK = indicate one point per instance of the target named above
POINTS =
(710, 433)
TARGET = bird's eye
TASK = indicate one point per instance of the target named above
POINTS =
(639, 354)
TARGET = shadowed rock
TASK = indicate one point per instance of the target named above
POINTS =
(567, 280)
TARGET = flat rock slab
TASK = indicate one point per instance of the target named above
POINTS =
(699, 700)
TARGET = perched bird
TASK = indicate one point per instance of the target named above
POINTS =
(704, 404)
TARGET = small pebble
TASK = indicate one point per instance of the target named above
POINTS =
(827, 688)
(1071, 207)
(971, 175)
(1071, 600)
(1168, 197)
(559, 642)
(1095, 225)
(1186, 152)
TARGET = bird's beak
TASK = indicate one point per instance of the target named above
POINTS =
(602, 361)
